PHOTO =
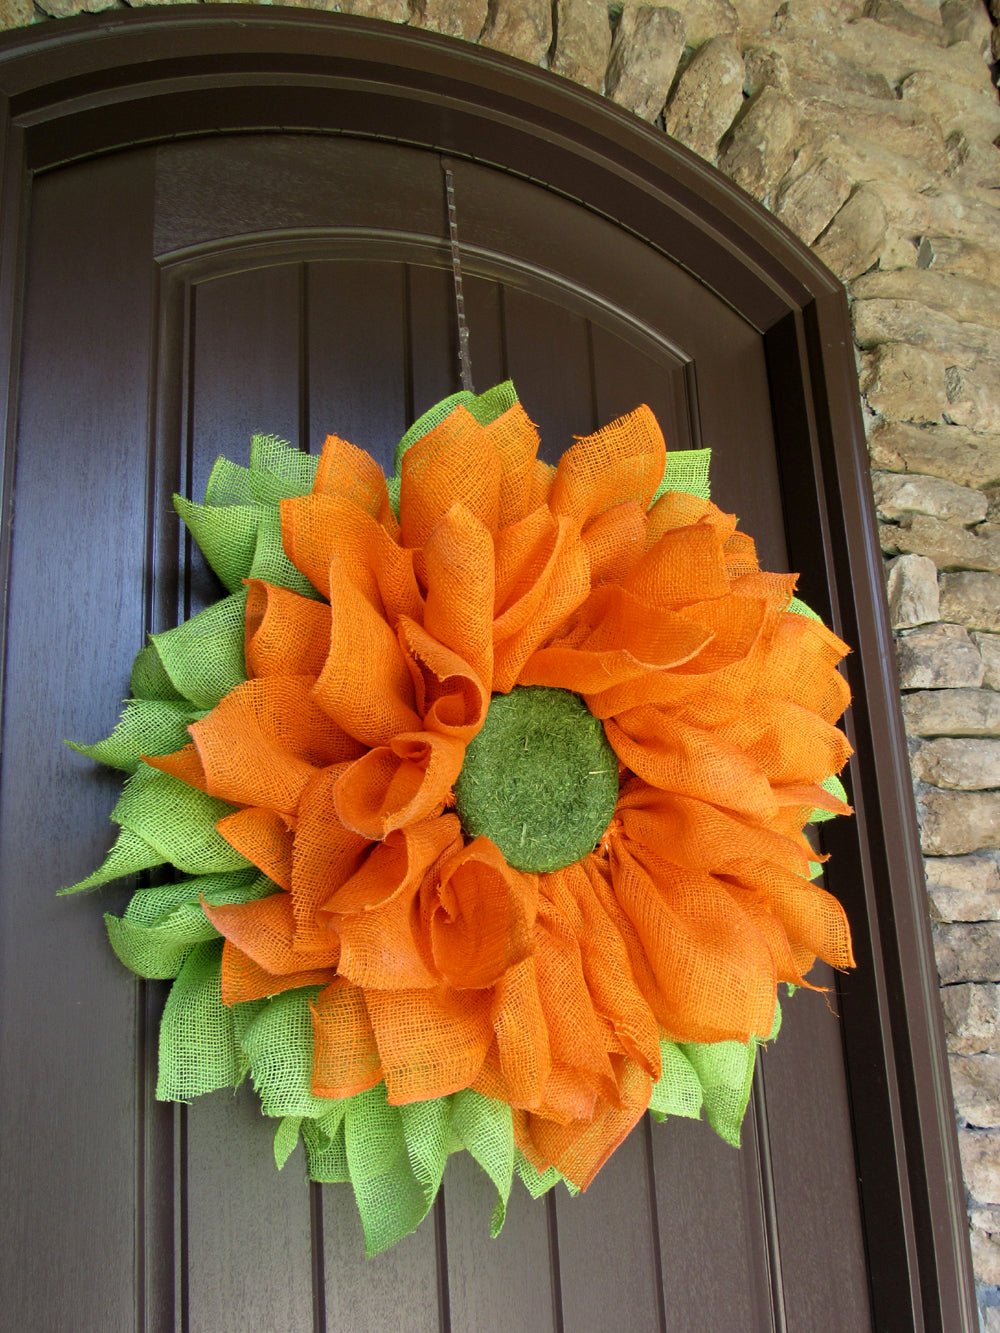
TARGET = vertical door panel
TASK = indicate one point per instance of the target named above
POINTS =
(72, 1092)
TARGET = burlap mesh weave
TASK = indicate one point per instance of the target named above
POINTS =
(396, 990)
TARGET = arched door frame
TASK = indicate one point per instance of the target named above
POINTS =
(84, 87)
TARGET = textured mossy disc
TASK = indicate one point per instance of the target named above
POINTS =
(540, 779)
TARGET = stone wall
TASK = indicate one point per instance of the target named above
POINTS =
(869, 129)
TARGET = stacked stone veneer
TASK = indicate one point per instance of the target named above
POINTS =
(869, 130)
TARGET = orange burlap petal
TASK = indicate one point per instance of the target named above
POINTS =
(668, 753)
(812, 918)
(580, 1149)
(621, 462)
(808, 796)
(459, 567)
(803, 655)
(351, 474)
(615, 541)
(715, 971)
(542, 480)
(183, 764)
(526, 553)
(718, 672)
(450, 695)
(788, 743)
(578, 1040)
(741, 555)
(606, 965)
(319, 529)
(365, 684)
(736, 624)
(265, 741)
(479, 914)
(376, 913)
(286, 634)
(431, 1042)
(243, 979)
(702, 837)
(345, 1057)
(614, 638)
(264, 930)
(686, 565)
(516, 442)
(324, 857)
(265, 838)
(678, 509)
(455, 463)
(398, 784)
(522, 1037)
(546, 578)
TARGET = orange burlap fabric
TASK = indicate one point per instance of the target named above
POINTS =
(444, 968)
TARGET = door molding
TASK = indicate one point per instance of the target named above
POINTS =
(80, 88)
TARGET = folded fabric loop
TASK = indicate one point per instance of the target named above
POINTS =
(399, 783)
(479, 914)
(286, 634)
(450, 696)
(456, 462)
(459, 567)
(621, 462)
(365, 684)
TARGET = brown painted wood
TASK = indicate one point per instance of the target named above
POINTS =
(178, 295)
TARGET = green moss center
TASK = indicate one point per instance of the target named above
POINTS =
(540, 779)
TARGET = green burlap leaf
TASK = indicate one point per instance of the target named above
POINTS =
(286, 1139)
(179, 821)
(165, 821)
(393, 485)
(537, 1183)
(158, 952)
(725, 1071)
(243, 541)
(391, 1200)
(204, 656)
(426, 1130)
(147, 726)
(326, 1152)
(279, 1047)
(485, 407)
(229, 483)
(799, 608)
(485, 1128)
(129, 854)
(198, 1048)
(685, 470)
(278, 471)
(150, 679)
(677, 1091)
(161, 925)
(226, 534)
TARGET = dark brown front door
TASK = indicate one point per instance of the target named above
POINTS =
(179, 297)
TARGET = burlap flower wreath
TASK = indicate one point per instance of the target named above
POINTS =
(488, 782)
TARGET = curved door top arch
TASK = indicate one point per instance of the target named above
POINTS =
(221, 221)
